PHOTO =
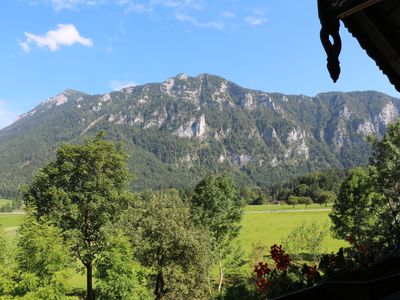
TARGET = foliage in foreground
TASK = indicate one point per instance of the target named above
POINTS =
(367, 210)
(118, 276)
(82, 191)
(306, 240)
(41, 266)
(217, 207)
(166, 241)
(284, 276)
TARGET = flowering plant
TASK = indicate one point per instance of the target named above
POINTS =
(284, 276)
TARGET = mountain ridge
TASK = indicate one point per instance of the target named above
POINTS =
(178, 130)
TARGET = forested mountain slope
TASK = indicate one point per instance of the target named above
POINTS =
(176, 131)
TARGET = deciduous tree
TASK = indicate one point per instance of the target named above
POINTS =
(44, 261)
(82, 191)
(118, 275)
(165, 240)
(217, 206)
(385, 171)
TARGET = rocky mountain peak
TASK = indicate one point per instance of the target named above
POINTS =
(186, 126)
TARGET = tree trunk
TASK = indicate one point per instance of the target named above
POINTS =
(158, 290)
(209, 284)
(89, 281)
(221, 276)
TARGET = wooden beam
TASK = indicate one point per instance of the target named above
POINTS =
(378, 40)
(356, 8)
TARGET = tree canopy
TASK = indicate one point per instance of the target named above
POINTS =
(82, 191)
(367, 208)
(217, 206)
(165, 240)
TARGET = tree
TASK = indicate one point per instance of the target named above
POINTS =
(3, 248)
(326, 197)
(307, 238)
(305, 200)
(165, 240)
(118, 276)
(217, 206)
(6, 270)
(293, 200)
(359, 209)
(82, 191)
(250, 195)
(385, 171)
(302, 190)
(44, 261)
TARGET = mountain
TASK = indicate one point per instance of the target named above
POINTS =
(176, 131)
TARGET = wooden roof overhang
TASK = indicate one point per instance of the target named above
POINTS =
(374, 23)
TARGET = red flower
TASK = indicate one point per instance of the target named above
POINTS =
(282, 260)
(312, 271)
(262, 269)
(363, 249)
(263, 285)
(350, 240)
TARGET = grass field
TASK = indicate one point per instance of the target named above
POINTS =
(9, 223)
(272, 227)
(261, 223)
(272, 207)
(4, 202)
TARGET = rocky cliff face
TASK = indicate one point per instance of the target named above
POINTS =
(187, 126)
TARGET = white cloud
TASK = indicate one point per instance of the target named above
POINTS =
(117, 85)
(109, 49)
(64, 35)
(184, 10)
(255, 21)
(72, 4)
(7, 117)
(220, 25)
(25, 46)
(132, 5)
(137, 8)
(179, 4)
(228, 15)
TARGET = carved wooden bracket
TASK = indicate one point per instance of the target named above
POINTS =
(330, 37)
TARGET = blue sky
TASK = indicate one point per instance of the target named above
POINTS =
(100, 45)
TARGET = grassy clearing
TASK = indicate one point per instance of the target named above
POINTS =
(272, 207)
(9, 223)
(4, 202)
(272, 228)
(268, 228)
(10, 220)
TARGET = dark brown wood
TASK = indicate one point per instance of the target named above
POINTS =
(355, 290)
(376, 26)
(355, 6)
(89, 282)
(382, 42)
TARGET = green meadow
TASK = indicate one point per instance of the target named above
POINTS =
(4, 202)
(267, 226)
(272, 207)
(9, 223)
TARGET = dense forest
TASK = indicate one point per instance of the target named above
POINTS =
(171, 244)
(178, 131)
(319, 187)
